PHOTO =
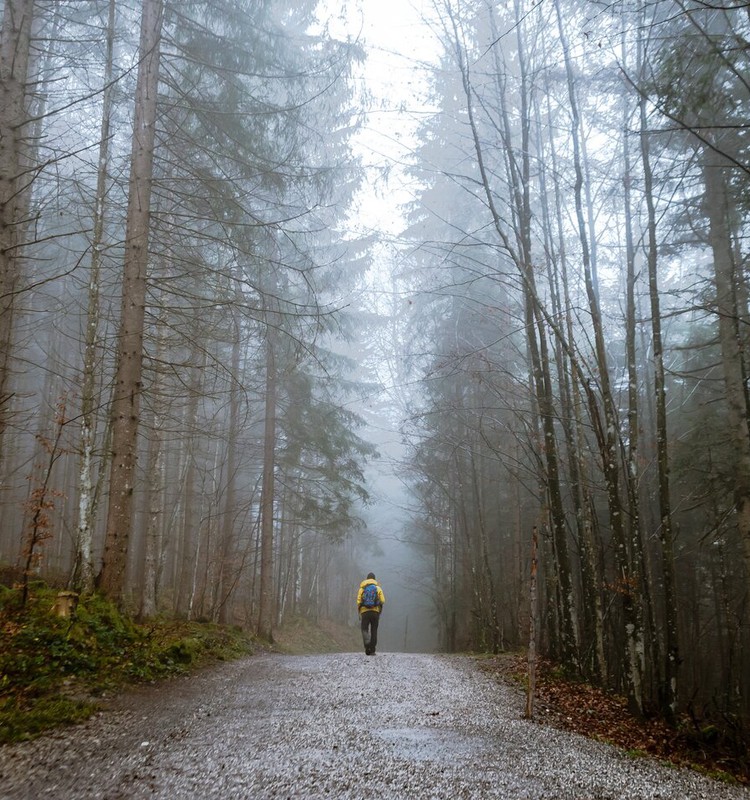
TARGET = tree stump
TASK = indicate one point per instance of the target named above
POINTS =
(65, 604)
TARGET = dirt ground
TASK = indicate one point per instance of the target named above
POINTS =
(333, 726)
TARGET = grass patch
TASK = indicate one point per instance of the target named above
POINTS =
(21, 720)
(53, 668)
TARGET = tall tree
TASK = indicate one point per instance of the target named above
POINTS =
(668, 692)
(267, 496)
(128, 377)
(610, 456)
(518, 248)
(15, 177)
(84, 572)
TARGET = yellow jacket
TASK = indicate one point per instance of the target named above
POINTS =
(381, 597)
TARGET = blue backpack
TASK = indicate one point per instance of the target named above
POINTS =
(370, 596)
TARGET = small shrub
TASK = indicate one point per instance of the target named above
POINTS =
(184, 651)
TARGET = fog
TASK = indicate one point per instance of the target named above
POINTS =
(397, 39)
(404, 574)
(520, 223)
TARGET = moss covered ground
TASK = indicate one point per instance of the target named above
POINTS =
(54, 669)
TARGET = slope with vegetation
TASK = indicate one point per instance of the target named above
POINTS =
(54, 670)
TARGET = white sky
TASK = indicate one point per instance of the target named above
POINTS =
(398, 42)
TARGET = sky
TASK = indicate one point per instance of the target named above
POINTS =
(398, 43)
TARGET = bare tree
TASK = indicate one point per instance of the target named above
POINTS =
(610, 456)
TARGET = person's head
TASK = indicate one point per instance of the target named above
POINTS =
(370, 575)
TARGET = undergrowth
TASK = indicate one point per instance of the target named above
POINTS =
(53, 669)
(578, 706)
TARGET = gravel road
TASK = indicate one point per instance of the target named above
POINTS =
(335, 726)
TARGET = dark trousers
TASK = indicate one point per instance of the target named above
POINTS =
(369, 622)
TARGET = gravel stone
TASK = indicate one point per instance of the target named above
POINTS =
(334, 726)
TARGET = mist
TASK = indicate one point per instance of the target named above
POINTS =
(325, 289)
(402, 568)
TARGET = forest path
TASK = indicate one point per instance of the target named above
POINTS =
(335, 726)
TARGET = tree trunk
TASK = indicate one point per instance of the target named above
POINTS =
(609, 444)
(634, 477)
(717, 208)
(155, 477)
(593, 660)
(154, 525)
(536, 335)
(531, 688)
(189, 528)
(127, 386)
(542, 372)
(15, 40)
(668, 690)
(227, 567)
(84, 581)
(265, 607)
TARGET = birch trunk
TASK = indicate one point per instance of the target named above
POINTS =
(86, 494)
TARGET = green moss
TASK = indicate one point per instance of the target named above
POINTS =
(184, 651)
(25, 720)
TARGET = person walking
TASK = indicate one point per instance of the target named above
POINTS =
(370, 601)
